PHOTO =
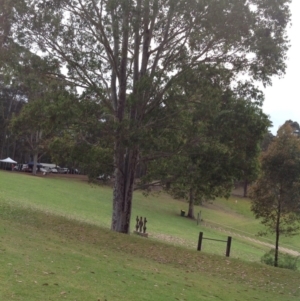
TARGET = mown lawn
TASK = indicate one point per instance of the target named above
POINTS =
(84, 202)
(50, 257)
(55, 243)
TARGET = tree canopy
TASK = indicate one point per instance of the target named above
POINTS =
(129, 55)
(219, 135)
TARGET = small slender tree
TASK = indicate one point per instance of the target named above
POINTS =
(276, 194)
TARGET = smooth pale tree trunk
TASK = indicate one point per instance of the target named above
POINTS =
(35, 139)
(191, 213)
(34, 169)
(125, 167)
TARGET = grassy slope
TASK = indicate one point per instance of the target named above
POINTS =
(93, 204)
(53, 253)
(47, 257)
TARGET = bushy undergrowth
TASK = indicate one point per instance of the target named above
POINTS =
(285, 261)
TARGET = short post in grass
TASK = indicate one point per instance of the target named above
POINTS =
(145, 221)
(199, 218)
(228, 246)
(141, 224)
(200, 241)
(140, 227)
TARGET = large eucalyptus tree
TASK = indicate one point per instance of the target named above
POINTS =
(130, 53)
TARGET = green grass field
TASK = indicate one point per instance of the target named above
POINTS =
(55, 243)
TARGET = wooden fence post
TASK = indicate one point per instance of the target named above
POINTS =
(200, 241)
(228, 246)
(199, 218)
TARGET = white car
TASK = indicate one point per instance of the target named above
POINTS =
(54, 170)
(63, 170)
(44, 170)
(26, 168)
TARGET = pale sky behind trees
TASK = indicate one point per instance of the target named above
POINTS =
(282, 99)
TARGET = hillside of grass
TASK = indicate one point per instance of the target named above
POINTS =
(78, 200)
(56, 243)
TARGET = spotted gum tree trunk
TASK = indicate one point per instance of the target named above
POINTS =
(125, 163)
(124, 158)
(35, 157)
(191, 213)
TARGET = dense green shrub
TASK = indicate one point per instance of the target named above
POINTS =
(285, 261)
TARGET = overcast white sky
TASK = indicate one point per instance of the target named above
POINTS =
(282, 99)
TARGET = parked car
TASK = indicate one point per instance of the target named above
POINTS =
(54, 170)
(18, 167)
(63, 170)
(26, 168)
(48, 169)
(74, 171)
(44, 170)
